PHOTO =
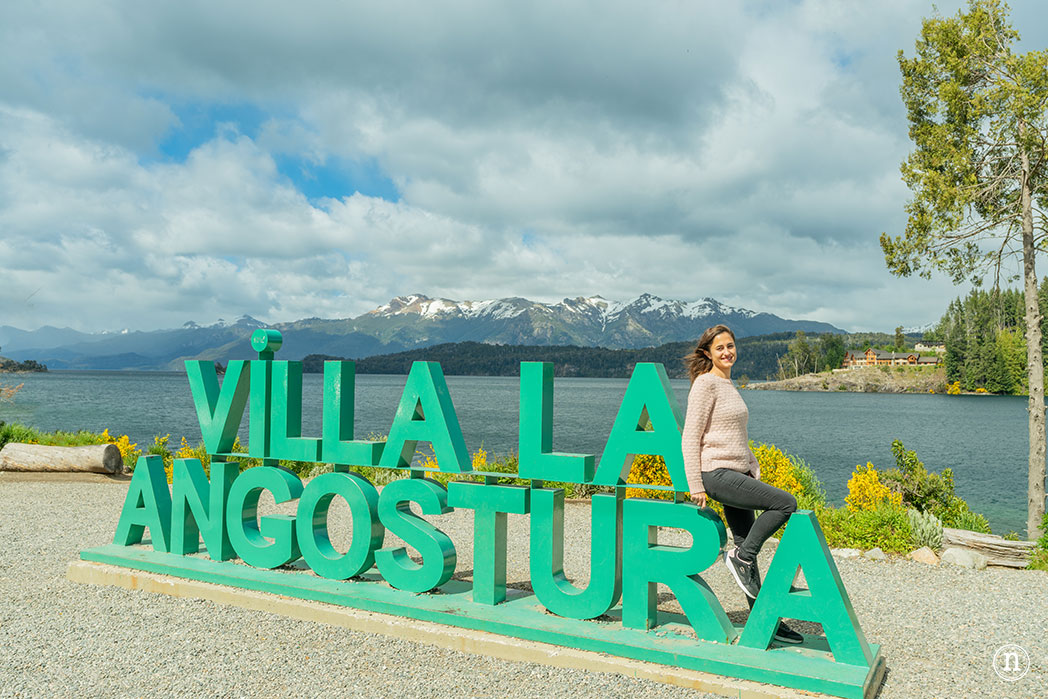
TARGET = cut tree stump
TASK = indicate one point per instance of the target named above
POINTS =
(95, 458)
(998, 550)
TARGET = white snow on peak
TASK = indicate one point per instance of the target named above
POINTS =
(500, 309)
(432, 308)
(604, 309)
(919, 329)
(435, 307)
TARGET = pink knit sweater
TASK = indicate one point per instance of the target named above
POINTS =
(715, 431)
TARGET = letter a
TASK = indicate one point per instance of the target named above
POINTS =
(648, 395)
(803, 547)
(426, 414)
(148, 504)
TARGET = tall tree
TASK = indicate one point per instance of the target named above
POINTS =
(978, 116)
(832, 348)
(799, 355)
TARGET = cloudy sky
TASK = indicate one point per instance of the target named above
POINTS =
(165, 162)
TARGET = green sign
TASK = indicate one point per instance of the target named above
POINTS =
(627, 562)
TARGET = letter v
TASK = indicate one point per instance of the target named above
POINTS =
(219, 410)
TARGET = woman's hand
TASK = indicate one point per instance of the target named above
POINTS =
(699, 499)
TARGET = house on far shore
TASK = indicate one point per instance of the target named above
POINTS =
(875, 357)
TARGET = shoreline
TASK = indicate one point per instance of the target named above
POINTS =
(887, 379)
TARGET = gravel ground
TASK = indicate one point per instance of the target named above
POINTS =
(939, 627)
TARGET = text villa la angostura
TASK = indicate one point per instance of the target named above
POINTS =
(626, 561)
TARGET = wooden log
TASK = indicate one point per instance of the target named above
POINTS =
(998, 550)
(95, 458)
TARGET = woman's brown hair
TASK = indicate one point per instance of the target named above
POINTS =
(699, 362)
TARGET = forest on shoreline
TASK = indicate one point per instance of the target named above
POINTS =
(759, 357)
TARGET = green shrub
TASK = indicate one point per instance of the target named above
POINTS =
(921, 490)
(812, 495)
(958, 516)
(1039, 559)
(13, 432)
(925, 529)
(885, 526)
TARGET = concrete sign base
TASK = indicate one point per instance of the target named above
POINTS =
(671, 654)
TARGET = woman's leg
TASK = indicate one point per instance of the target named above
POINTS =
(740, 522)
(738, 490)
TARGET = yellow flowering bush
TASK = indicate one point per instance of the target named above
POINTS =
(866, 492)
(777, 469)
(187, 452)
(953, 389)
(650, 470)
(480, 460)
(429, 460)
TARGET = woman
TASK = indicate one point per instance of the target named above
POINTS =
(718, 462)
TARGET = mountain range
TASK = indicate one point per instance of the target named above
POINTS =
(404, 323)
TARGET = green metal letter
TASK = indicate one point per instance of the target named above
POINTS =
(490, 504)
(435, 547)
(339, 446)
(260, 408)
(219, 411)
(426, 414)
(648, 396)
(148, 504)
(251, 537)
(548, 581)
(803, 547)
(312, 525)
(199, 508)
(645, 563)
(287, 441)
(538, 461)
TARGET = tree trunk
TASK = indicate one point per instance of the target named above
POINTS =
(96, 458)
(1034, 365)
(998, 550)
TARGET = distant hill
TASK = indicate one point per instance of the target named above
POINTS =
(407, 323)
(757, 359)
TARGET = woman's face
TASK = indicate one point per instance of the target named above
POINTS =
(722, 352)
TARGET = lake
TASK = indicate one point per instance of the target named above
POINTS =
(983, 438)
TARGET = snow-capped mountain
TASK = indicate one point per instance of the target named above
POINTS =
(424, 306)
(407, 322)
(588, 321)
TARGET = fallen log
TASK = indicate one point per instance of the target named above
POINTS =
(998, 550)
(95, 458)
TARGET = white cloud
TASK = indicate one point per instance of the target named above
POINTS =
(747, 152)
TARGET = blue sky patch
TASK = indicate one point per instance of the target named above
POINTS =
(199, 124)
(333, 177)
(336, 177)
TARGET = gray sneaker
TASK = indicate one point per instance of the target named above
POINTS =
(746, 574)
(784, 634)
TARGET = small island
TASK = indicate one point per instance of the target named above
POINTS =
(10, 366)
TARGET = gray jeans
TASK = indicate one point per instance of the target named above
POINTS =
(741, 494)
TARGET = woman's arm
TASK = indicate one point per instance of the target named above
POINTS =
(700, 406)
